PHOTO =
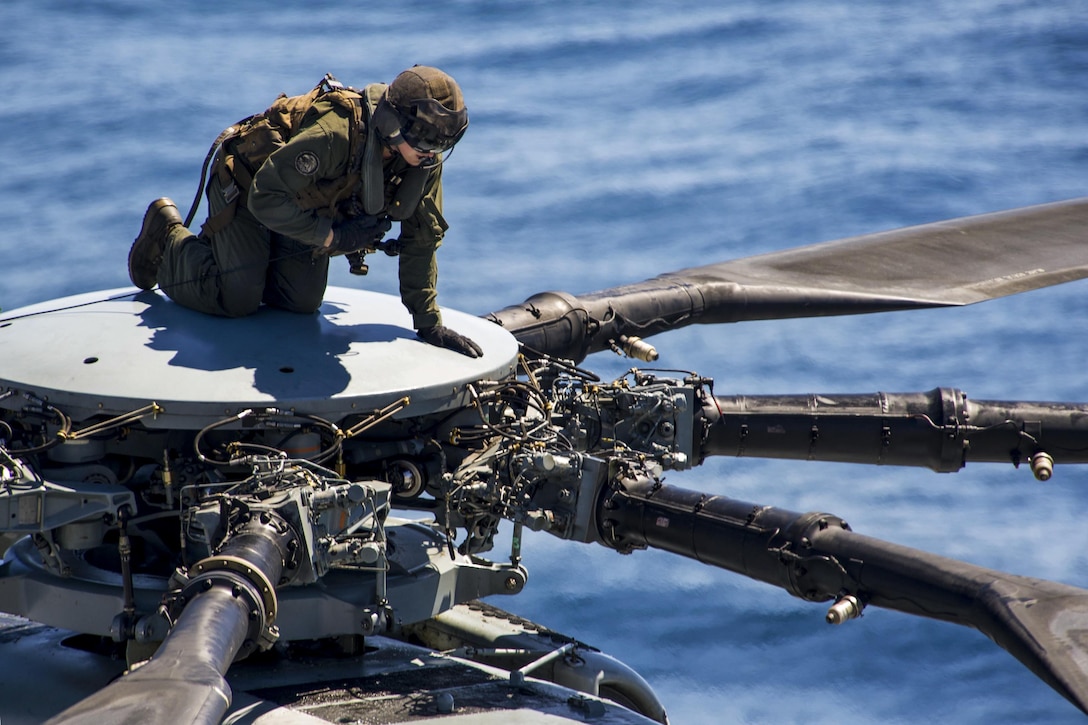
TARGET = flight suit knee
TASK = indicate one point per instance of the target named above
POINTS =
(241, 293)
(297, 278)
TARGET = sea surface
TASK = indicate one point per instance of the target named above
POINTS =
(613, 141)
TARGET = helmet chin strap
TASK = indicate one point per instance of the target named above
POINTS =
(434, 161)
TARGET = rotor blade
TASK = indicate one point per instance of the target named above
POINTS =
(948, 263)
(940, 429)
(817, 557)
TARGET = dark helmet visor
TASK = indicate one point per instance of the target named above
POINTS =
(433, 127)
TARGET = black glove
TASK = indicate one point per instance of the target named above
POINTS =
(361, 232)
(440, 336)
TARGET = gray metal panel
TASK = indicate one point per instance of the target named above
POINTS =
(114, 351)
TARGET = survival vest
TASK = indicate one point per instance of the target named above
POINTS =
(243, 147)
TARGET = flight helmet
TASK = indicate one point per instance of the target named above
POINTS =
(425, 108)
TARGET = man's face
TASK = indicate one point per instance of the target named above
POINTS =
(411, 155)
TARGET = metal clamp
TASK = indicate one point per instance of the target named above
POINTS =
(231, 192)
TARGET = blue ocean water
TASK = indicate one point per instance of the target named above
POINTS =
(609, 143)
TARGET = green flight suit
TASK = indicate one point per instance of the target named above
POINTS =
(265, 253)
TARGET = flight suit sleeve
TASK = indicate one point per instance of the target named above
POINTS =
(319, 151)
(420, 237)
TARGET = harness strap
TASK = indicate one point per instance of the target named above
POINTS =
(370, 163)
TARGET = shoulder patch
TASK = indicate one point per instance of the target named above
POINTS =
(306, 163)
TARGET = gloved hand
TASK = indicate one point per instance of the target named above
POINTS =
(441, 336)
(361, 232)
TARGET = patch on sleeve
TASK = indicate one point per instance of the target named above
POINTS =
(306, 163)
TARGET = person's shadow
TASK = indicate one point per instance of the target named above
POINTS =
(293, 356)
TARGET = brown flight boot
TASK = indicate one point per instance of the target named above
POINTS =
(146, 254)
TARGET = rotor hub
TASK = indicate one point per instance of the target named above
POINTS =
(110, 352)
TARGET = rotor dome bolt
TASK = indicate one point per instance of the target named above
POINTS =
(511, 583)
